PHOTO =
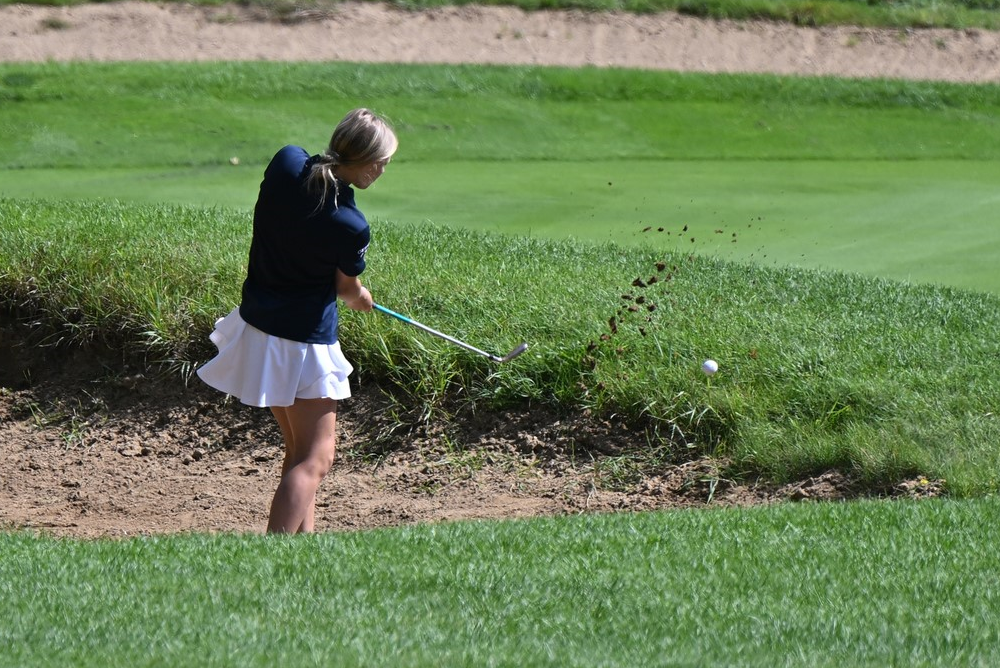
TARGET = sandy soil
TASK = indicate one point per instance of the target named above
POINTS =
(93, 445)
(379, 33)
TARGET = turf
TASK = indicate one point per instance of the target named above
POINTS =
(860, 584)
(818, 173)
(820, 369)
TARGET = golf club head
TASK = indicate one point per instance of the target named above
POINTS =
(512, 354)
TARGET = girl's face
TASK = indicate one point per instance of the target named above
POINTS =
(362, 176)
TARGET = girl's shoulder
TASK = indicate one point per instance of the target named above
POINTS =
(288, 162)
(345, 214)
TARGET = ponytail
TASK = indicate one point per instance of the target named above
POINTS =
(321, 179)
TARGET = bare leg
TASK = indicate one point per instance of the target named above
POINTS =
(281, 417)
(292, 458)
(309, 429)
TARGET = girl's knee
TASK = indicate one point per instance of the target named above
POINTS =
(319, 462)
(323, 467)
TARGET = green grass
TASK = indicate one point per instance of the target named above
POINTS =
(899, 14)
(860, 584)
(803, 197)
(913, 221)
(820, 370)
(201, 114)
(818, 173)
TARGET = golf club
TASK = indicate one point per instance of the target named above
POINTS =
(506, 358)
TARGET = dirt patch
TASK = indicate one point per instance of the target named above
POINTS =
(95, 445)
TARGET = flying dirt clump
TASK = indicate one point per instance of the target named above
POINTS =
(635, 305)
(640, 306)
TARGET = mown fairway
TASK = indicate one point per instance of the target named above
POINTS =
(862, 584)
(889, 179)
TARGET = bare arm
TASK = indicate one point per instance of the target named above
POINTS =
(355, 295)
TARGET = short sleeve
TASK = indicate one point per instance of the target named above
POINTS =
(352, 257)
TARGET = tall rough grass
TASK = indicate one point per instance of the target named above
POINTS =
(819, 370)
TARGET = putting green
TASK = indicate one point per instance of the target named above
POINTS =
(920, 221)
(929, 221)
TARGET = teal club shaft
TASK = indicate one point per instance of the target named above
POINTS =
(430, 330)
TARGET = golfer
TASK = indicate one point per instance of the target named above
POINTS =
(279, 349)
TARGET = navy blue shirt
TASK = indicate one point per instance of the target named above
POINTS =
(291, 285)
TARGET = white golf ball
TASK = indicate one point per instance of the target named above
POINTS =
(709, 367)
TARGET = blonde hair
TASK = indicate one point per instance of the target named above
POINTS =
(361, 137)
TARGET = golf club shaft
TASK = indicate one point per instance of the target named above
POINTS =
(430, 330)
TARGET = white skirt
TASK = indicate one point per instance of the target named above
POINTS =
(263, 370)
